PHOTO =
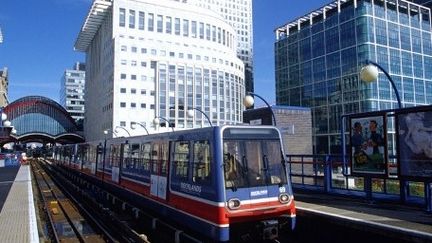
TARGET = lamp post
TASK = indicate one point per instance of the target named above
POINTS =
(106, 132)
(142, 124)
(248, 102)
(156, 121)
(191, 113)
(123, 129)
(369, 73)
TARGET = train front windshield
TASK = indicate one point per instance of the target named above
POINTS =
(253, 160)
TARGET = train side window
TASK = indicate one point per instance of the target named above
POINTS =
(146, 151)
(126, 156)
(163, 158)
(134, 155)
(201, 162)
(181, 160)
(115, 155)
(155, 158)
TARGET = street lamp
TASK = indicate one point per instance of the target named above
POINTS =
(7, 123)
(106, 132)
(156, 121)
(248, 101)
(3, 116)
(191, 113)
(369, 73)
(142, 124)
(123, 129)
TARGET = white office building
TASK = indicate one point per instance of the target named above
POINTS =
(238, 13)
(72, 91)
(157, 58)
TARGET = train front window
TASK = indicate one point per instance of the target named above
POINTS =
(253, 163)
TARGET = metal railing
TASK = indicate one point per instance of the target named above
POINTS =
(327, 173)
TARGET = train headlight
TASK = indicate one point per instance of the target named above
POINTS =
(233, 203)
(284, 198)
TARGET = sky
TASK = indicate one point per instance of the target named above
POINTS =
(39, 36)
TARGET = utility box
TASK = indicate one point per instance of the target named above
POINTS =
(295, 124)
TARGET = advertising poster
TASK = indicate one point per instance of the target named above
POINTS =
(368, 145)
(415, 144)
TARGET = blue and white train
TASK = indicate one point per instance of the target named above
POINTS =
(211, 180)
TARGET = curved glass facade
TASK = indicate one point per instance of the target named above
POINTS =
(37, 114)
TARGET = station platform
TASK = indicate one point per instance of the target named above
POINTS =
(18, 222)
(390, 222)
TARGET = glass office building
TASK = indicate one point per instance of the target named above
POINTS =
(319, 56)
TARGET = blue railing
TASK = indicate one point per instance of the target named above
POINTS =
(327, 173)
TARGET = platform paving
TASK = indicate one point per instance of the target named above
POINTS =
(403, 222)
(18, 216)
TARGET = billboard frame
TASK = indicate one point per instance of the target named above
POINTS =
(369, 116)
(397, 114)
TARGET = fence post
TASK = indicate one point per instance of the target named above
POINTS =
(327, 174)
(428, 199)
(368, 187)
(403, 190)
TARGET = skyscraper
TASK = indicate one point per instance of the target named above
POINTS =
(148, 58)
(319, 57)
(238, 13)
(72, 91)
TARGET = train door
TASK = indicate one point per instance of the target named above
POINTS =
(159, 170)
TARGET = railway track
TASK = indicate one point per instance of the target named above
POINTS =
(65, 221)
(119, 219)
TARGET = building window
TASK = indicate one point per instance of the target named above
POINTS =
(133, 91)
(133, 77)
(123, 62)
(122, 90)
(201, 30)
(141, 20)
(194, 29)
(132, 19)
(143, 64)
(177, 26)
(168, 24)
(152, 93)
(143, 105)
(185, 27)
(122, 17)
(150, 24)
(133, 105)
(123, 104)
(143, 78)
(122, 76)
(152, 107)
(208, 31)
(143, 91)
(133, 63)
(143, 50)
(123, 48)
(134, 49)
(159, 24)
(122, 123)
